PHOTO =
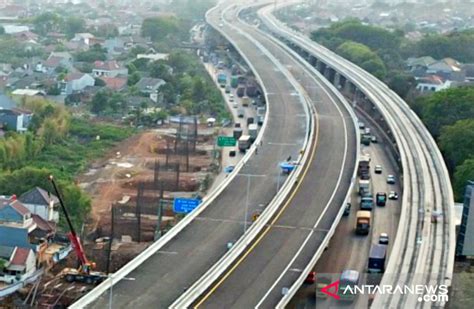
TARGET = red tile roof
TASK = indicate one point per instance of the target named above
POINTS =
(22, 210)
(42, 224)
(115, 83)
(106, 65)
(74, 76)
(20, 256)
(53, 61)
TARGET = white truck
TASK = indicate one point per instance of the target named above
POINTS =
(253, 130)
(365, 187)
(244, 143)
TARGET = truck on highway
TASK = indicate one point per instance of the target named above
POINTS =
(365, 187)
(366, 203)
(244, 143)
(376, 263)
(362, 226)
(234, 82)
(245, 101)
(222, 79)
(349, 278)
(240, 91)
(364, 165)
(253, 130)
(237, 133)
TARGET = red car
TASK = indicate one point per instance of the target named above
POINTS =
(311, 278)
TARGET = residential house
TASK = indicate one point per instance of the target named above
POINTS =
(150, 86)
(40, 202)
(108, 69)
(418, 66)
(115, 83)
(28, 93)
(15, 119)
(432, 83)
(86, 38)
(115, 46)
(447, 68)
(468, 70)
(26, 36)
(18, 263)
(75, 82)
(58, 59)
(153, 56)
(6, 102)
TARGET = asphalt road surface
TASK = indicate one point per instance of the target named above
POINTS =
(347, 250)
(277, 259)
(163, 277)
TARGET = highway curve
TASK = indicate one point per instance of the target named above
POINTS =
(286, 247)
(164, 276)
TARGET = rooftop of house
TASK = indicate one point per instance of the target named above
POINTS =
(106, 65)
(6, 252)
(42, 224)
(74, 76)
(421, 61)
(147, 82)
(16, 205)
(38, 196)
(115, 83)
(432, 80)
(19, 258)
(6, 102)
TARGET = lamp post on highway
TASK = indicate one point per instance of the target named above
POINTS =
(247, 198)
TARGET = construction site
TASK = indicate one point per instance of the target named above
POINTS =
(132, 191)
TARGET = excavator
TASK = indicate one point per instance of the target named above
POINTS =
(84, 273)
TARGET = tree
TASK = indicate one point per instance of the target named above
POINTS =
(445, 108)
(159, 27)
(457, 142)
(464, 172)
(401, 83)
(363, 56)
(100, 102)
(133, 78)
(47, 22)
(99, 82)
(73, 25)
(107, 31)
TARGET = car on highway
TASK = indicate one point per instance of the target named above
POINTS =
(235, 105)
(393, 195)
(229, 169)
(381, 198)
(373, 139)
(391, 179)
(383, 239)
(311, 278)
(378, 169)
(221, 25)
(347, 210)
(231, 99)
(361, 125)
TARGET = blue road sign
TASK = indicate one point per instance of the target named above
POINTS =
(185, 205)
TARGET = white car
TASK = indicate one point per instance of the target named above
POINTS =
(391, 179)
(383, 239)
(393, 195)
(235, 105)
(378, 169)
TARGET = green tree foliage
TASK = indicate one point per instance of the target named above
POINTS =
(353, 30)
(401, 82)
(133, 78)
(364, 57)
(47, 22)
(106, 31)
(464, 172)
(73, 25)
(457, 45)
(457, 142)
(158, 28)
(445, 108)
(96, 52)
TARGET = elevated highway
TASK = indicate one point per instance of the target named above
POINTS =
(166, 269)
(278, 257)
(425, 242)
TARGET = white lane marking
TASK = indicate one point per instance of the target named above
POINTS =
(166, 252)
(332, 196)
